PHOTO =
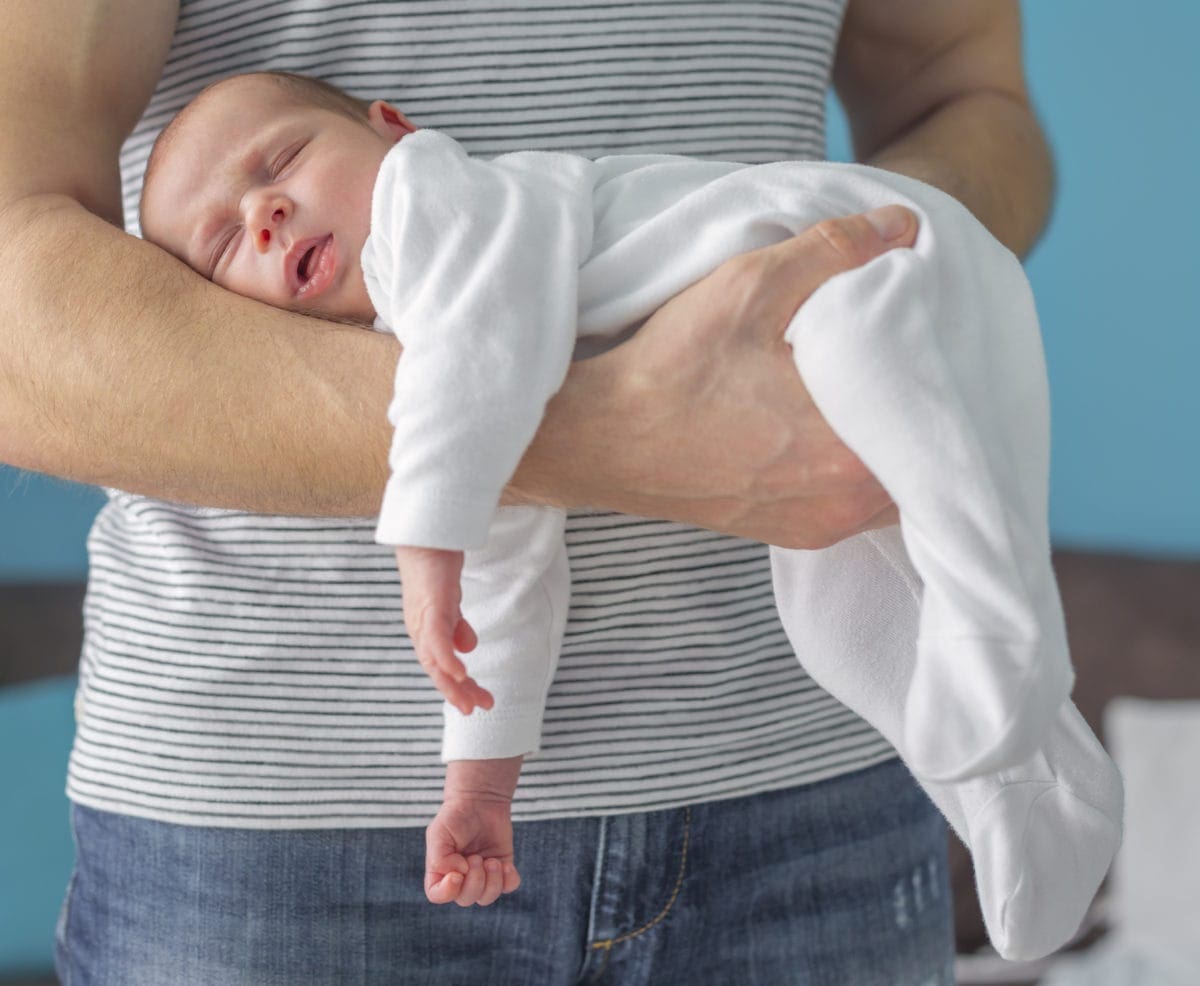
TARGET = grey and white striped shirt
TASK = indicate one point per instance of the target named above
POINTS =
(241, 670)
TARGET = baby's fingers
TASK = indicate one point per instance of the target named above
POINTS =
(465, 638)
(466, 696)
(444, 878)
(442, 888)
(430, 579)
(493, 882)
(473, 883)
(512, 879)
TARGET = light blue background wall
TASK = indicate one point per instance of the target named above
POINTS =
(1117, 275)
(1118, 87)
(43, 525)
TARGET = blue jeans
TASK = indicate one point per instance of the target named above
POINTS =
(841, 883)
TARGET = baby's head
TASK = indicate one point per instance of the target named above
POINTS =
(263, 185)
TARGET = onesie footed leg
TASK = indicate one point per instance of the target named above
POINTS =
(1043, 836)
(975, 705)
(1042, 833)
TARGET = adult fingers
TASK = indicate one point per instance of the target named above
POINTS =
(836, 245)
(778, 279)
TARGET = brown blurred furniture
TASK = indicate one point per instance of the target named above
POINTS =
(41, 627)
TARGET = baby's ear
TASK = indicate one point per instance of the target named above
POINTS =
(389, 122)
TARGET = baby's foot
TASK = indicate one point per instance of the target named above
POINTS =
(977, 705)
(1042, 835)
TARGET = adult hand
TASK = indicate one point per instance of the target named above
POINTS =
(718, 430)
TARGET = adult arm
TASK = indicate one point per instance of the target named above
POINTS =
(118, 366)
(933, 89)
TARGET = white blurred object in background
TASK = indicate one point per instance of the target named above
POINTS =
(1155, 936)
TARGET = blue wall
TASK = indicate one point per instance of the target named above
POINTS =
(36, 851)
(1116, 274)
(1116, 278)
(43, 525)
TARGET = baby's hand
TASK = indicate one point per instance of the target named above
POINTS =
(469, 854)
(433, 615)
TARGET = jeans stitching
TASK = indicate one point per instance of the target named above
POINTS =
(608, 943)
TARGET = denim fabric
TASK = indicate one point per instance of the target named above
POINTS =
(841, 883)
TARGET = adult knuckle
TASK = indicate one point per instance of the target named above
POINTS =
(838, 518)
(840, 237)
(843, 468)
(741, 277)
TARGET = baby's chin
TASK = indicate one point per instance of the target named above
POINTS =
(354, 308)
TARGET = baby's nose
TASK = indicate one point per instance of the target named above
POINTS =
(262, 239)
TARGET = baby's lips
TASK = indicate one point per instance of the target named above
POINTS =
(313, 255)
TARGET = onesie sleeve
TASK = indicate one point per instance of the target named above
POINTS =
(516, 590)
(474, 265)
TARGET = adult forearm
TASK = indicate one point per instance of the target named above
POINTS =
(988, 151)
(119, 367)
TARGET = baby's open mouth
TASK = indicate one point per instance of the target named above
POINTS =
(313, 265)
(302, 270)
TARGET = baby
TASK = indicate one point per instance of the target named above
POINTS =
(945, 633)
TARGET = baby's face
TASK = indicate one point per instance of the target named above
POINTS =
(272, 199)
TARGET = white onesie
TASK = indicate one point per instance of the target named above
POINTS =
(926, 362)
(946, 634)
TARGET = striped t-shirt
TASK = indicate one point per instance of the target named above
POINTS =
(253, 671)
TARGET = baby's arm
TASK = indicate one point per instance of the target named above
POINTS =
(469, 844)
(516, 589)
(474, 265)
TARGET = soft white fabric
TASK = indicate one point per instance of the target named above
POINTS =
(452, 241)
(1155, 887)
(516, 589)
(1043, 831)
(927, 362)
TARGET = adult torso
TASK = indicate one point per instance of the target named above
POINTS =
(246, 670)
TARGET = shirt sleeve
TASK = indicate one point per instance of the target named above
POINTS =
(474, 264)
(516, 590)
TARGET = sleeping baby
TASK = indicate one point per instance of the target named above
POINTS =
(944, 632)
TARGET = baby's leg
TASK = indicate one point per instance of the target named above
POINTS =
(432, 582)
(927, 363)
(1042, 833)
